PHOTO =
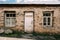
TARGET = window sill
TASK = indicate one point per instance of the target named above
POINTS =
(49, 27)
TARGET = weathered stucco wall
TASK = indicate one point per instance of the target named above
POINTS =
(38, 18)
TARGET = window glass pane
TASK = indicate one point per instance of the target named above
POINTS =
(7, 15)
(13, 20)
(44, 23)
(8, 21)
(14, 15)
(49, 23)
(11, 15)
(44, 20)
(47, 14)
(9, 12)
(44, 14)
(48, 19)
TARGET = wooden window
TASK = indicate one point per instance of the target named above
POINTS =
(47, 18)
(10, 19)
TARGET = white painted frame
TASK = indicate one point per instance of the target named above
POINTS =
(31, 18)
(48, 17)
(10, 19)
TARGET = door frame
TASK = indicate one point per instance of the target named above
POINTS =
(33, 20)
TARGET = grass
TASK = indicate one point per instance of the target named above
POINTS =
(18, 35)
(41, 34)
(56, 36)
(14, 34)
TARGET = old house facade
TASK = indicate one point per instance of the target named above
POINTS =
(30, 17)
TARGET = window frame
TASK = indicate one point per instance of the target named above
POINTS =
(10, 18)
(51, 18)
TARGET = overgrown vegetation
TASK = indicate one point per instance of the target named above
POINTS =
(14, 34)
(18, 34)
(41, 34)
(57, 36)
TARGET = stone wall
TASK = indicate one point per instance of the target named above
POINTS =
(38, 18)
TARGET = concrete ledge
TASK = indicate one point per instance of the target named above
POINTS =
(7, 38)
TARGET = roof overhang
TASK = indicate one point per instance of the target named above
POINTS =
(18, 5)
